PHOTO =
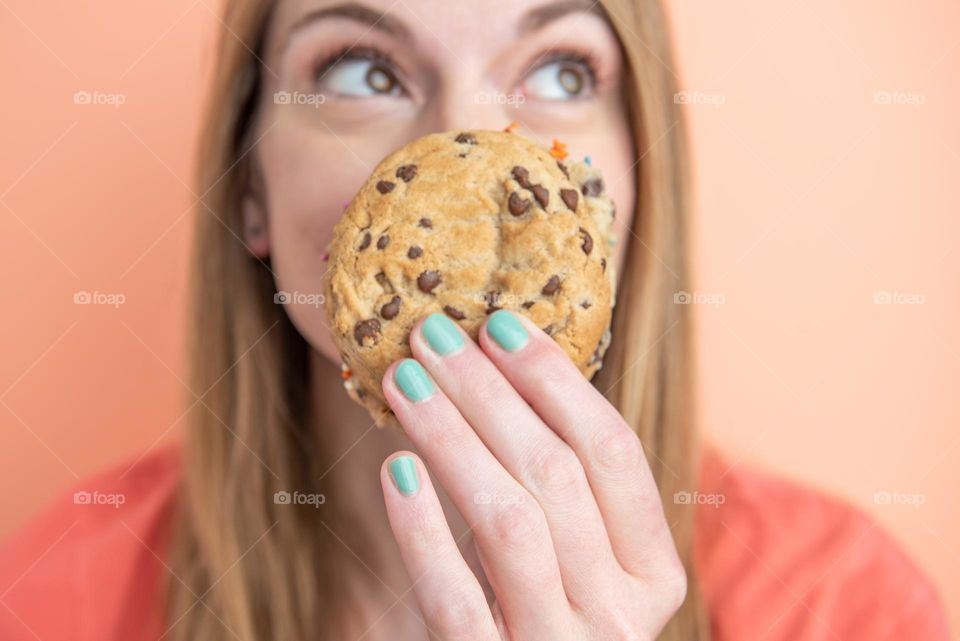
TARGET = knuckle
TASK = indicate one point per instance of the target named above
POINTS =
(617, 451)
(518, 524)
(557, 472)
(456, 614)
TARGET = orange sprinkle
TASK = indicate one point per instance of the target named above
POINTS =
(512, 127)
(559, 150)
(346, 374)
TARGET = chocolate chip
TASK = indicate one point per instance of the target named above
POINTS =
(593, 187)
(587, 245)
(527, 304)
(365, 242)
(585, 304)
(369, 328)
(382, 279)
(406, 173)
(426, 223)
(428, 280)
(385, 186)
(570, 197)
(522, 176)
(492, 298)
(361, 392)
(518, 206)
(552, 286)
(391, 309)
(454, 313)
(603, 265)
(467, 139)
(541, 194)
(564, 169)
(548, 330)
(383, 241)
(414, 252)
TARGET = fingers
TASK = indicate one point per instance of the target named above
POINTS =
(512, 535)
(451, 600)
(611, 454)
(529, 450)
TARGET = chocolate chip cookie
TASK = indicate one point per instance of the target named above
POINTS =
(466, 223)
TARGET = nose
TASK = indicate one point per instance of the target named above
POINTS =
(469, 103)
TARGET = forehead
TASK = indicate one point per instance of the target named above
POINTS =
(451, 26)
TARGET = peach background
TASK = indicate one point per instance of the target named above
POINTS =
(812, 198)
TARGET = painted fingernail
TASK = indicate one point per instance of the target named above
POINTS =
(403, 471)
(441, 334)
(507, 330)
(413, 381)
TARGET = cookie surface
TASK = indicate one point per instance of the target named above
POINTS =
(465, 223)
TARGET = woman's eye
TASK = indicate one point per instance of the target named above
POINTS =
(560, 80)
(359, 77)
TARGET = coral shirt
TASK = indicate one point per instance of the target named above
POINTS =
(776, 562)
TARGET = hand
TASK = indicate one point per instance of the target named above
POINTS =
(564, 509)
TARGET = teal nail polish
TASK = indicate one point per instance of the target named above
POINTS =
(441, 334)
(403, 469)
(507, 330)
(413, 381)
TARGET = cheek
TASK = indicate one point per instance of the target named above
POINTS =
(307, 185)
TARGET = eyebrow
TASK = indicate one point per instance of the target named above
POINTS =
(531, 21)
(358, 13)
(541, 16)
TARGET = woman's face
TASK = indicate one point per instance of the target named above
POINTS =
(346, 83)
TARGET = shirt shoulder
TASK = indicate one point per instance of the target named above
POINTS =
(778, 560)
(89, 564)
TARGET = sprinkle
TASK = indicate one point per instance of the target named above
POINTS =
(559, 150)
(587, 161)
(346, 374)
(512, 127)
(325, 257)
(345, 205)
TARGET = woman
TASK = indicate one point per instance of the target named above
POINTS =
(506, 523)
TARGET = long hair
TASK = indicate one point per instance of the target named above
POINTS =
(247, 567)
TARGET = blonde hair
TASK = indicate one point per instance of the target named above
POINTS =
(251, 570)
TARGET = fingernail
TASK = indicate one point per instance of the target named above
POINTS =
(507, 330)
(441, 334)
(403, 471)
(413, 381)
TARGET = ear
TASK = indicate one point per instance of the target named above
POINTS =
(256, 233)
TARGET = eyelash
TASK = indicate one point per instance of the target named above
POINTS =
(587, 59)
